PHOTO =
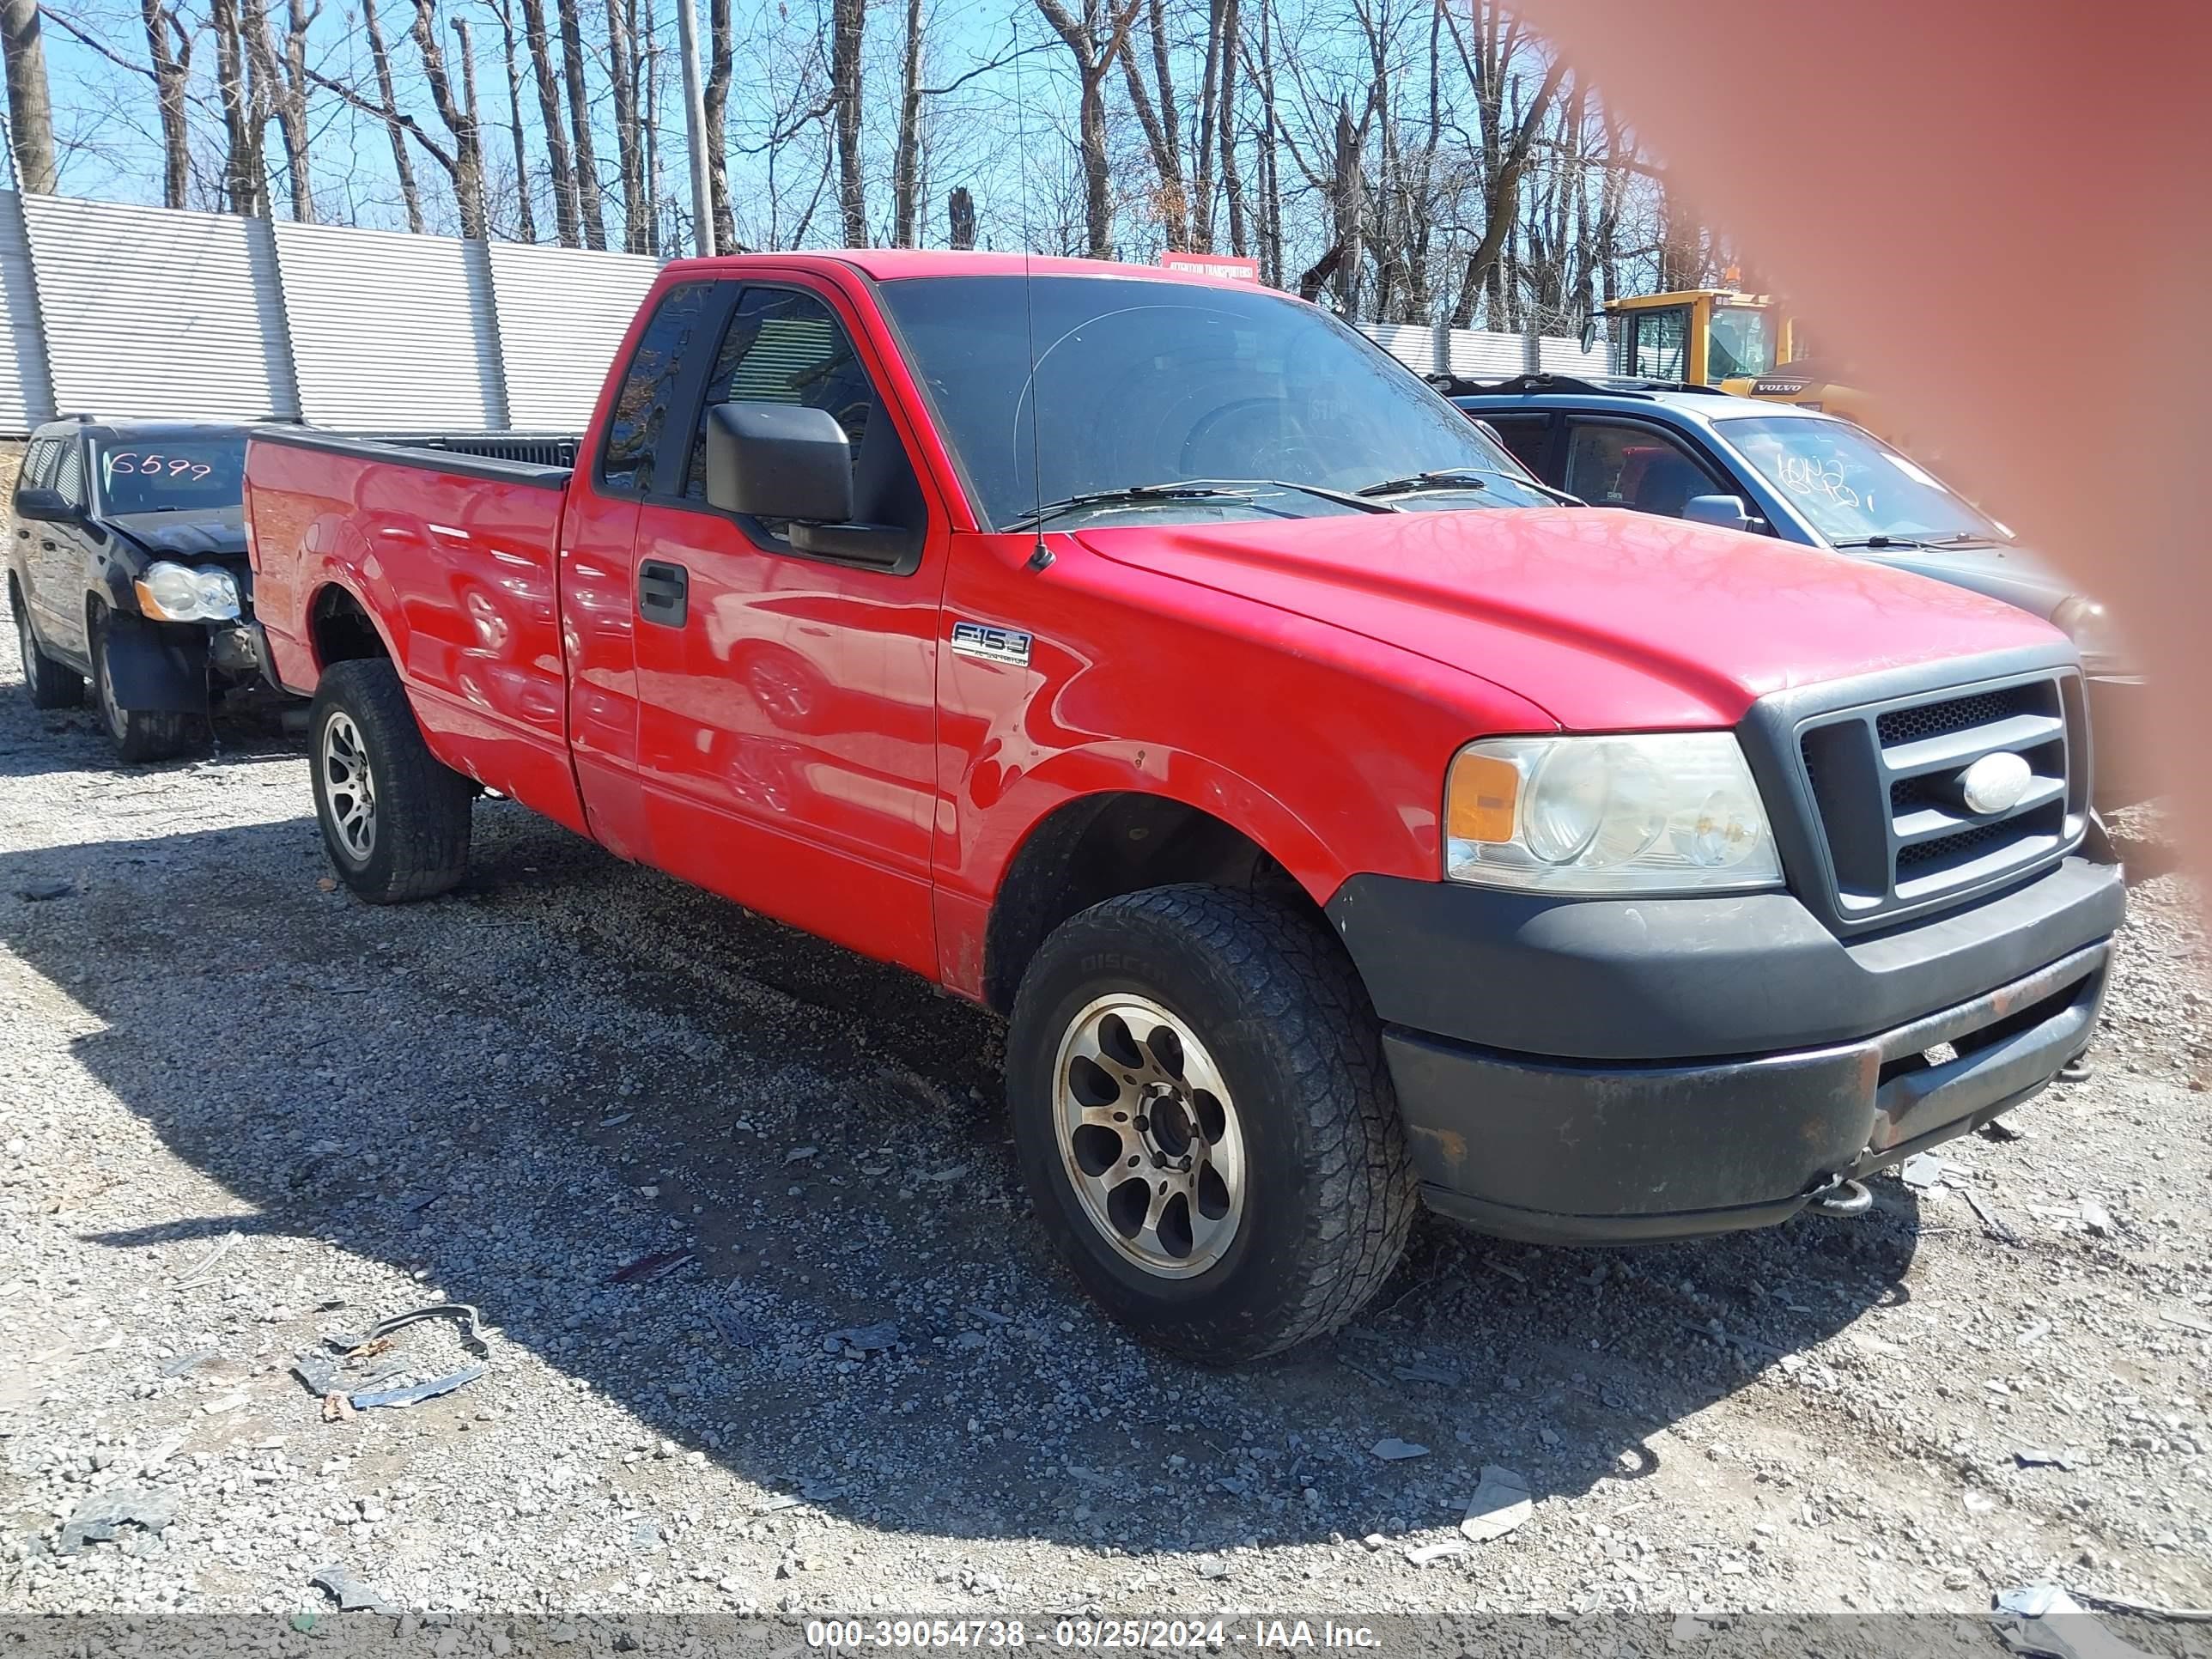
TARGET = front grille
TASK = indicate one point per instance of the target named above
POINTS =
(1886, 785)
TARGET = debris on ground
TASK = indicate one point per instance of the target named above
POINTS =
(862, 1339)
(1923, 1170)
(351, 1594)
(208, 1263)
(1500, 1503)
(1395, 1450)
(1211, 1566)
(469, 1320)
(416, 1394)
(101, 1517)
(2096, 1218)
(42, 888)
(186, 1362)
(1423, 1555)
(2043, 1622)
(2042, 1457)
(647, 1269)
(734, 1328)
(1992, 1224)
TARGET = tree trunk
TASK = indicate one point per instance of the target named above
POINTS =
(467, 161)
(241, 154)
(651, 62)
(401, 164)
(172, 77)
(1232, 180)
(1348, 203)
(526, 213)
(906, 158)
(290, 91)
(30, 105)
(1271, 178)
(960, 219)
(580, 121)
(722, 55)
(847, 20)
(1094, 43)
(565, 216)
(628, 154)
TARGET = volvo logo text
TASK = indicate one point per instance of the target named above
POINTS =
(1994, 783)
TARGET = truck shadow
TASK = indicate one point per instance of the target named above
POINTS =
(572, 1067)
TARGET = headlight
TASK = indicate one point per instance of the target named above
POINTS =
(2090, 625)
(177, 593)
(1675, 813)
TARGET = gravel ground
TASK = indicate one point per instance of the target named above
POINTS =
(244, 1112)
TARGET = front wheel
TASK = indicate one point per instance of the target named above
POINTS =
(1205, 1122)
(139, 734)
(395, 819)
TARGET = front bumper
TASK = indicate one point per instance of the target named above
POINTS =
(1593, 1083)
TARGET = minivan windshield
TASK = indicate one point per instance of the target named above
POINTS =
(1851, 485)
(156, 477)
(1143, 386)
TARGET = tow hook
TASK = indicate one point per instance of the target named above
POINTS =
(1842, 1198)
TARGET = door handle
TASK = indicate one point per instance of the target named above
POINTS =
(664, 593)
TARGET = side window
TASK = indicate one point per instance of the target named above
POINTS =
(1636, 467)
(1526, 435)
(784, 347)
(39, 465)
(648, 389)
(1661, 343)
(68, 476)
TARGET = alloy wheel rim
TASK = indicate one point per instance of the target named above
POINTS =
(1149, 1136)
(348, 788)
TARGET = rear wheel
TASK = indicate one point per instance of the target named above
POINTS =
(395, 819)
(50, 684)
(1205, 1122)
(139, 734)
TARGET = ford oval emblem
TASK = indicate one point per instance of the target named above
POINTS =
(1995, 783)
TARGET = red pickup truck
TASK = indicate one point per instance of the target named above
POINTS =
(1341, 823)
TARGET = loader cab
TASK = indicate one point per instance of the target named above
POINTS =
(1700, 336)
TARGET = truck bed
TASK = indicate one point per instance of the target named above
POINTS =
(453, 554)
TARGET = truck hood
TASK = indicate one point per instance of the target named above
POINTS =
(195, 533)
(1607, 620)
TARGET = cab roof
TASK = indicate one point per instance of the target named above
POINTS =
(890, 265)
(72, 426)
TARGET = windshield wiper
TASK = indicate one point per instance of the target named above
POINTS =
(1465, 478)
(1879, 542)
(1187, 490)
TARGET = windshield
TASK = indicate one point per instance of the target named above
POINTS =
(168, 478)
(1740, 342)
(1853, 486)
(1146, 384)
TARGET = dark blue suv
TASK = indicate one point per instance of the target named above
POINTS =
(1696, 452)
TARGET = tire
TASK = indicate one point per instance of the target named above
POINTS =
(1307, 1131)
(51, 685)
(395, 819)
(139, 734)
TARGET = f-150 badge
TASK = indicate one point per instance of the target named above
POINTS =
(1007, 645)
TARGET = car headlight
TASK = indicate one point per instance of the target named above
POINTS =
(1671, 812)
(2090, 625)
(179, 593)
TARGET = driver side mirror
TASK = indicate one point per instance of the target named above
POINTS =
(1725, 512)
(47, 506)
(779, 461)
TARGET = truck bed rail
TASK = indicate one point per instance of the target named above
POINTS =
(467, 456)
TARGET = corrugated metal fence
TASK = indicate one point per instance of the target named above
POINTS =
(1481, 354)
(148, 311)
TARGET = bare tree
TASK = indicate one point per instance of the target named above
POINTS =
(244, 184)
(463, 161)
(277, 85)
(579, 120)
(906, 155)
(630, 157)
(1162, 122)
(566, 216)
(1095, 41)
(30, 105)
(960, 218)
(1508, 136)
(527, 216)
(169, 50)
(722, 56)
(387, 107)
(847, 20)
